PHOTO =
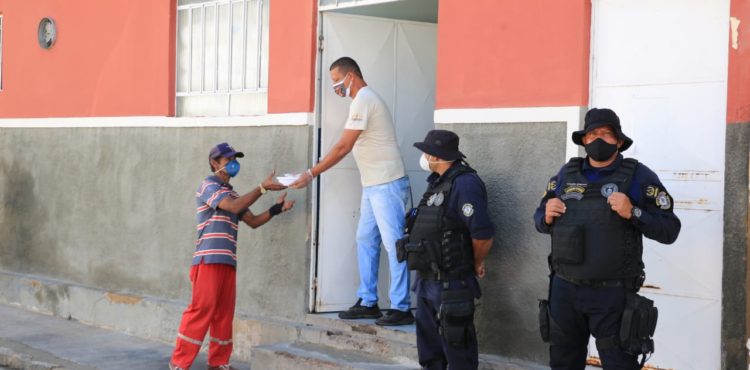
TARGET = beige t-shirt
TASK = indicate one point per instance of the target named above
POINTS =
(376, 151)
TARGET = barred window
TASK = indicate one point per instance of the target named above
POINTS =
(222, 57)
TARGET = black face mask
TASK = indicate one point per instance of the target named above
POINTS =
(600, 150)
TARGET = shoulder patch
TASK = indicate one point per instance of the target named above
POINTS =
(551, 187)
(651, 191)
(467, 209)
(664, 201)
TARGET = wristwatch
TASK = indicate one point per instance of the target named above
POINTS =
(635, 212)
(262, 189)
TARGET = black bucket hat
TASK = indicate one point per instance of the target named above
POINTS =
(442, 144)
(598, 117)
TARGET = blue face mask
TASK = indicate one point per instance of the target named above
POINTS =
(232, 168)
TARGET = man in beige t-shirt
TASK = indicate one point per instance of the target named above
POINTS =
(370, 135)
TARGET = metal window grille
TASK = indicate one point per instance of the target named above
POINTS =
(222, 57)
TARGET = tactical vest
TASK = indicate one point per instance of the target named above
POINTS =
(590, 241)
(440, 246)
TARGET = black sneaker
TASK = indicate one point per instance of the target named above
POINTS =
(395, 318)
(358, 311)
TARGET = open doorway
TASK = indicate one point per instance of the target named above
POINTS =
(395, 44)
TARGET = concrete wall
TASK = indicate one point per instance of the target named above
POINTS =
(114, 208)
(735, 327)
(735, 332)
(515, 160)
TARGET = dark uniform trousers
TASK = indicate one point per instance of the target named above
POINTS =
(434, 352)
(583, 310)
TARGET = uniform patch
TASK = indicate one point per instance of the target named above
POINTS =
(652, 191)
(573, 191)
(552, 185)
(431, 200)
(439, 198)
(608, 189)
(467, 209)
(356, 117)
(663, 201)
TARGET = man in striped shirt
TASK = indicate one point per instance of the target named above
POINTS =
(212, 274)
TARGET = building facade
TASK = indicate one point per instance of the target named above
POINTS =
(105, 126)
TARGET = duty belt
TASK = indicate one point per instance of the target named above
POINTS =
(599, 283)
(444, 276)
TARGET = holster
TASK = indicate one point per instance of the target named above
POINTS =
(456, 315)
(638, 325)
(417, 254)
(401, 249)
(544, 319)
(550, 331)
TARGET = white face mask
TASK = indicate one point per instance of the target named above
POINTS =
(340, 86)
(424, 163)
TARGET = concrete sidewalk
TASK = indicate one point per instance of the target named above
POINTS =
(30, 340)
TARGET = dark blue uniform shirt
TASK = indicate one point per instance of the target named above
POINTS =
(657, 221)
(468, 203)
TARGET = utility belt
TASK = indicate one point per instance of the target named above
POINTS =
(631, 284)
(637, 326)
(444, 276)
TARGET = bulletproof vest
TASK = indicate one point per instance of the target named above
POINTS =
(590, 241)
(446, 243)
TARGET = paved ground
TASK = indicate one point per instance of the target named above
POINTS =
(77, 346)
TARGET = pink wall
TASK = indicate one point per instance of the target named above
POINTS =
(111, 58)
(292, 52)
(738, 94)
(508, 53)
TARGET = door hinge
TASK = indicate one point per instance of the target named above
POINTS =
(320, 43)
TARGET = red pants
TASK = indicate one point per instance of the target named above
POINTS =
(212, 307)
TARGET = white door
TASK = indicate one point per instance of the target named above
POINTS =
(662, 66)
(398, 60)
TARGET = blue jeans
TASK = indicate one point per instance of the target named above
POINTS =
(381, 219)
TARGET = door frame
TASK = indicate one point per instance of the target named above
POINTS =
(316, 147)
